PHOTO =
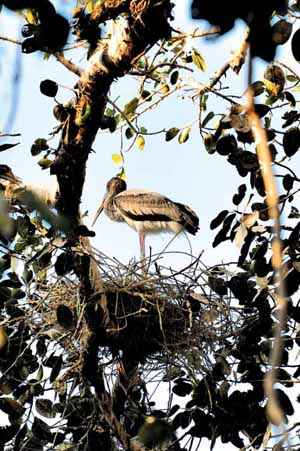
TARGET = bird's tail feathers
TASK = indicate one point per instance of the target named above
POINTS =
(190, 220)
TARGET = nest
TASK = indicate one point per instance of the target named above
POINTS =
(162, 314)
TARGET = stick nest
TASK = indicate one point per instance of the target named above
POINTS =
(160, 315)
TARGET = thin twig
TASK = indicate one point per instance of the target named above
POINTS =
(12, 40)
(68, 64)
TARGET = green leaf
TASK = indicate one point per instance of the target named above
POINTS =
(4, 147)
(109, 112)
(281, 31)
(45, 163)
(184, 135)
(271, 100)
(198, 60)
(140, 142)
(171, 133)
(129, 132)
(117, 158)
(210, 143)
(146, 95)
(38, 146)
(27, 275)
(203, 102)
(56, 368)
(291, 141)
(174, 77)
(267, 122)
(113, 124)
(49, 88)
(207, 118)
(89, 6)
(44, 407)
(292, 78)
(40, 373)
(130, 107)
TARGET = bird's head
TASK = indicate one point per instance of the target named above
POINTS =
(6, 175)
(113, 187)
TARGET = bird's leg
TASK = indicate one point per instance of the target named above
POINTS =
(142, 244)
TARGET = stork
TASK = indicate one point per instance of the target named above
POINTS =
(7, 175)
(145, 211)
(13, 186)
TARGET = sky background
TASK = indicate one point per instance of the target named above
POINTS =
(185, 173)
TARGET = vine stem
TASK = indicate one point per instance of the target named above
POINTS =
(274, 411)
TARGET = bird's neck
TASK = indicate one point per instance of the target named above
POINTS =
(111, 210)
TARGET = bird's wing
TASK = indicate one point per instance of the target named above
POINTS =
(141, 205)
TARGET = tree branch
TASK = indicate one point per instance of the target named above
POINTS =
(112, 59)
(68, 64)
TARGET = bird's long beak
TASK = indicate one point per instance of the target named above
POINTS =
(99, 211)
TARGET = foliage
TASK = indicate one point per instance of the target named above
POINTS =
(83, 336)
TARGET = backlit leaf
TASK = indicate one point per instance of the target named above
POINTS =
(3, 339)
(140, 142)
(198, 60)
(89, 6)
(117, 158)
(31, 16)
(131, 106)
(164, 88)
(184, 135)
(45, 163)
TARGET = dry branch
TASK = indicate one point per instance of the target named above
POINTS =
(274, 411)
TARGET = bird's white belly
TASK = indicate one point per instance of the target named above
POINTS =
(154, 226)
